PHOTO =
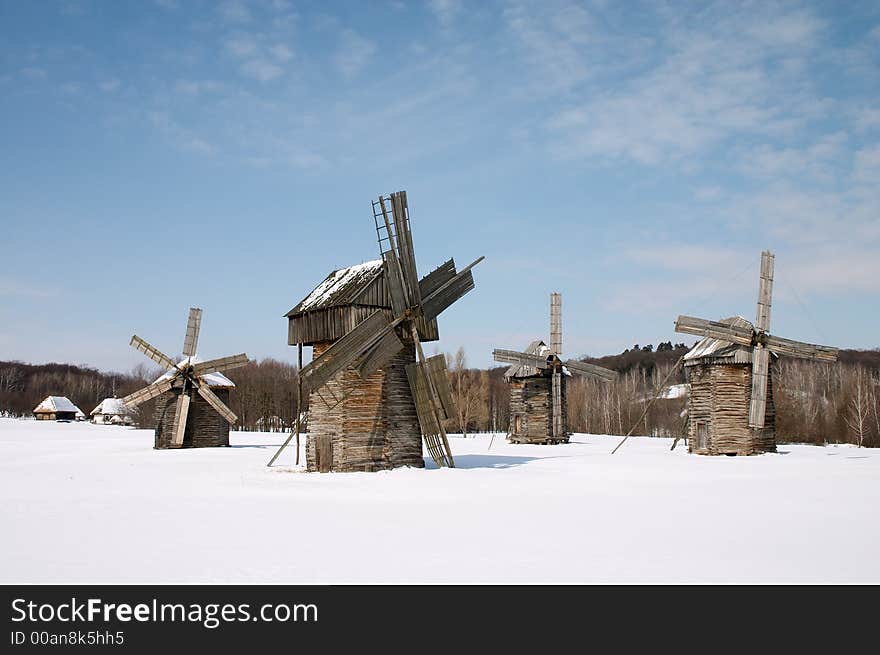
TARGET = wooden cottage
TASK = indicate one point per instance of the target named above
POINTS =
(531, 399)
(111, 411)
(720, 374)
(358, 423)
(205, 427)
(57, 408)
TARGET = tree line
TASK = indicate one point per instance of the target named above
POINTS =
(815, 402)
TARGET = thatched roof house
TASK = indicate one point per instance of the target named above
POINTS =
(358, 423)
(111, 411)
(57, 408)
(720, 375)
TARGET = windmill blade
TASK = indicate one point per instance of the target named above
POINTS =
(556, 323)
(450, 291)
(394, 277)
(765, 292)
(439, 374)
(437, 278)
(193, 325)
(215, 402)
(591, 370)
(380, 354)
(220, 364)
(346, 350)
(758, 402)
(405, 249)
(556, 397)
(517, 357)
(418, 384)
(155, 354)
(180, 414)
(800, 349)
(723, 331)
(147, 393)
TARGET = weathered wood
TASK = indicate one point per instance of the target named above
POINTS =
(765, 292)
(556, 323)
(718, 405)
(149, 392)
(758, 402)
(531, 410)
(191, 339)
(724, 331)
(800, 349)
(220, 365)
(180, 414)
(376, 426)
(155, 354)
(204, 427)
(215, 402)
(343, 352)
(380, 354)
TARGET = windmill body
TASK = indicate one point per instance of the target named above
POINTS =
(730, 407)
(374, 398)
(192, 395)
(538, 378)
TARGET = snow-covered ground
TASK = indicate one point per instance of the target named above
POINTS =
(86, 503)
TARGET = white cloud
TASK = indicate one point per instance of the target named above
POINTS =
(108, 86)
(281, 52)
(353, 53)
(703, 81)
(241, 46)
(261, 69)
(197, 87)
(235, 11)
(445, 10)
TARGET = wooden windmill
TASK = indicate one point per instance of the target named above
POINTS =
(537, 384)
(730, 408)
(192, 412)
(373, 395)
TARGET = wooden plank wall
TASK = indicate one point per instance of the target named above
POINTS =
(532, 398)
(205, 428)
(720, 395)
(375, 427)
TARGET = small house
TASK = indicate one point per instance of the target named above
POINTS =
(111, 411)
(58, 408)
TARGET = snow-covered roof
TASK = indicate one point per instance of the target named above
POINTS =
(110, 406)
(537, 347)
(213, 379)
(54, 404)
(718, 349)
(340, 287)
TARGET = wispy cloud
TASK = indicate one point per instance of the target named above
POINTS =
(261, 69)
(353, 53)
(446, 11)
(235, 11)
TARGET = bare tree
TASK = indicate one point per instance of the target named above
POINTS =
(859, 405)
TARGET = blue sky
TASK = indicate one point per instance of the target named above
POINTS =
(635, 157)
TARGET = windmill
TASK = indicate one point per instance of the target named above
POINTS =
(184, 418)
(373, 394)
(537, 378)
(731, 407)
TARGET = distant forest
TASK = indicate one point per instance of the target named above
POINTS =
(815, 403)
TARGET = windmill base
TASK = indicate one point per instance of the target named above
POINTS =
(371, 425)
(718, 412)
(537, 440)
(205, 428)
